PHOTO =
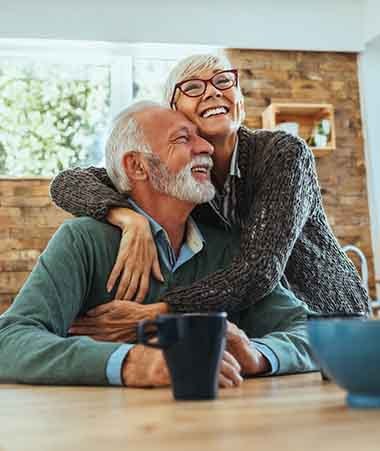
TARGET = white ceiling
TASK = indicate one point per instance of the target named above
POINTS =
(341, 25)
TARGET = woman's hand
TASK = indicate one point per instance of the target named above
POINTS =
(137, 256)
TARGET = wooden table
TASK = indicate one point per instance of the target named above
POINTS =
(297, 412)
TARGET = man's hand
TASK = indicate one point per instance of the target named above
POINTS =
(238, 344)
(146, 367)
(116, 320)
(229, 375)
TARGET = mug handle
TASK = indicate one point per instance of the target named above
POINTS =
(142, 337)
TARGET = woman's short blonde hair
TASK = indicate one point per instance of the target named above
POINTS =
(190, 67)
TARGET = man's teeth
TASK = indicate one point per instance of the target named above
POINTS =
(214, 111)
(200, 169)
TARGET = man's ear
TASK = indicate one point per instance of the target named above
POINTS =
(134, 166)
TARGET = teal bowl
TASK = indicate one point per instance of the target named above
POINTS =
(348, 351)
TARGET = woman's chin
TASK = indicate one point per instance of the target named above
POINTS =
(216, 130)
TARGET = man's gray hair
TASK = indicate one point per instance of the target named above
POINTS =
(192, 66)
(125, 135)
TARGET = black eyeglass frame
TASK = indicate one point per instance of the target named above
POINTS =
(179, 84)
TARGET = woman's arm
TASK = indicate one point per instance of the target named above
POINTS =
(90, 192)
(86, 192)
(282, 203)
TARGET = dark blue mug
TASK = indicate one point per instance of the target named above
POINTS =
(193, 346)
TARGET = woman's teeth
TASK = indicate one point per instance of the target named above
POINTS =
(214, 111)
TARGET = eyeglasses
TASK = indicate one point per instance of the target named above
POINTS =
(196, 87)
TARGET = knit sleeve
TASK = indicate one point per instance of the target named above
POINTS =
(86, 192)
(280, 207)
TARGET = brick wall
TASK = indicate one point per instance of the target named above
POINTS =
(28, 219)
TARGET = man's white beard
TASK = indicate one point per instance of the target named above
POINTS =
(183, 185)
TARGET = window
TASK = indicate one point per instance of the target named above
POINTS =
(56, 99)
(149, 75)
(51, 115)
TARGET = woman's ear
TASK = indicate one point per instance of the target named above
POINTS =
(134, 166)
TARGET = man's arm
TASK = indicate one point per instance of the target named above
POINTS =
(278, 323)
(34, 347)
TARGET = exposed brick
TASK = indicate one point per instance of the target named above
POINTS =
(11, 282)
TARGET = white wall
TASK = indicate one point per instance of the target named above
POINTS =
(260, 24)
(371, 20)
(369, 65)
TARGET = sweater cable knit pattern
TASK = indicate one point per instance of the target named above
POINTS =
(284, 230)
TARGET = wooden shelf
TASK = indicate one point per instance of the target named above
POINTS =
(306, 115)
(322, 151)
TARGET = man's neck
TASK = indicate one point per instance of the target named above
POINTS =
(172, 214)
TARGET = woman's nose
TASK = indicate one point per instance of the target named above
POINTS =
(211, 91)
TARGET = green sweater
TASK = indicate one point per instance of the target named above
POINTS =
(70, 278)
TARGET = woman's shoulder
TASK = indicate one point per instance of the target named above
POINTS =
(262, 144)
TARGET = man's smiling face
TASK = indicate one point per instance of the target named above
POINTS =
(181, 162)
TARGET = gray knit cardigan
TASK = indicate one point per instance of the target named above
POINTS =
(284, 230)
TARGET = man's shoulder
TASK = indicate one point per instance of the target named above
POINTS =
(88, 227)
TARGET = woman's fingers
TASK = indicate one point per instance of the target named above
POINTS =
(115, 273)
(136, 259)
(133, 285)
(144, 286)
(124, 283)
(146, 268)
(126, 251)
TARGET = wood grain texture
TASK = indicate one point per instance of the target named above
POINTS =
(298, 412)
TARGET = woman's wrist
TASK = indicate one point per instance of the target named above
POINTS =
(124, 217)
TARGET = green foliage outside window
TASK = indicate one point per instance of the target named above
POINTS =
(51, 116)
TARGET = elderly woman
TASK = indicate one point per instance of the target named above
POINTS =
(266, 184)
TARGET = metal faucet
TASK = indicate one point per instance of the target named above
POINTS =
(363, 270)
(363, 262)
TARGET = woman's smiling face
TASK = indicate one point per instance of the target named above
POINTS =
(217, 113)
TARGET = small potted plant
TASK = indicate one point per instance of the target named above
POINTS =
(321, 134)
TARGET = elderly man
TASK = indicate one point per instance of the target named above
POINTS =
(157, 156)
